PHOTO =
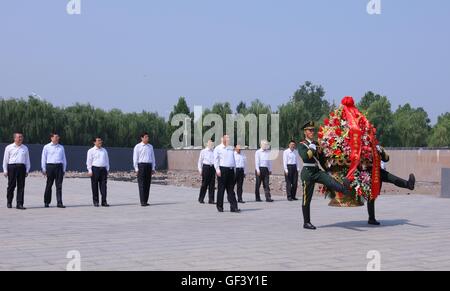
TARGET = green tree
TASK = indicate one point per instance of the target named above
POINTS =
(440, 135)
(313, 98)
(293, 115)
(412, 126)
(380, 115)
(367, 100)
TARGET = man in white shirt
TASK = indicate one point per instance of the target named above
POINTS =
(241, 171)
(263, 170)
(53, 164)
(291, 166)
(205, 167)
(224, 164)
(16, 166)
(98, 167)
(144, 163)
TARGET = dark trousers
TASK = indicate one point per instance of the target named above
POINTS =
(291, 181)
(208, 183)
(144, 181)
(16, 177)
(226, 182)
(55, 174)
(264, 179)
(240, 175)
(98, 180)
(310, 176)
(386, 177)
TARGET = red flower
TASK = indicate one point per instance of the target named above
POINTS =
(332, 114)
(337, 152)
(338, 132)
(336, 122)
(326, 121)
(320, 135)
(331, 141)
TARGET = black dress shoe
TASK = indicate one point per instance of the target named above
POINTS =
(211, 202)
(201, 202)
(411, 182)
(96, 205)
(295, 199)
(105, 205)
(269, 200)
(20, 207)
(47, 205)
(309, 226)
(241, 201)
(373, 222)
(9, 205)
(235, 210)
(220, 209)
(61, 206)
(259, 200)
(290, 199)
(145, 204)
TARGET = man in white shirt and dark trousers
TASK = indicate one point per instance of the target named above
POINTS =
(224, 164)
(16, 166)
(206, 169)
(144, 163)
(98, 167)
(263, 170)
(241, 171)
(291, 166)
(54, 164)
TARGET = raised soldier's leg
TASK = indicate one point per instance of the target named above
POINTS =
(399, 182)
(331, 183)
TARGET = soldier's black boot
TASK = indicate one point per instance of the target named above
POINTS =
(307, 218)
(411, 182)
(371, 210)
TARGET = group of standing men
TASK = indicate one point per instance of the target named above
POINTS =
(17, 165)
(229, 165)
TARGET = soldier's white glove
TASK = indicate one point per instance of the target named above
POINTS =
(313, 147)
(379, 149)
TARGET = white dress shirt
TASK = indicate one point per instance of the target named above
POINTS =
(241, 161)
(224, 157)
(143, 153)
(262, 159)
(16, 155)
(291, 158)
(53, 154)
(97, 157)
(206, 158)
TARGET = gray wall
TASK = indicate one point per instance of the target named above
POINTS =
(120, 159)
(425, 163)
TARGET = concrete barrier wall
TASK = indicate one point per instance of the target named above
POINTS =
(426, 164)
(120, 159)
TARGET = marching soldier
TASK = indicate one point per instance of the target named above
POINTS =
(16, 166)
(206, 169)
(98, 167)
(291, 166)
(312, 155)
(53, 164)
(388, 178)
(144, 163)
(241, 171)
(263, 170)
(224, 164)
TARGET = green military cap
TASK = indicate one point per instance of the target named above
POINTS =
(309, 125)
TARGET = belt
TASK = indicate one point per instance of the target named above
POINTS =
(227, 168)
(144, 163)
(54, 164)
(310, 165)
(207, 165)
(16, 164)
(292, 165)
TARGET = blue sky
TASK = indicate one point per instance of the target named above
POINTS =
(144, 54)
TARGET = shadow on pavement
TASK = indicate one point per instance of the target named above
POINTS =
(362, 225)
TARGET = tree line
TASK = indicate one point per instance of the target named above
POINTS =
(404, 127)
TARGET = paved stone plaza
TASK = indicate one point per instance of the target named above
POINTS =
(177, 233)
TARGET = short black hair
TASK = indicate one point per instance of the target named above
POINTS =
(144, 134)
(94, 139)
(17, 132)
(292, 141)
(53, 134)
